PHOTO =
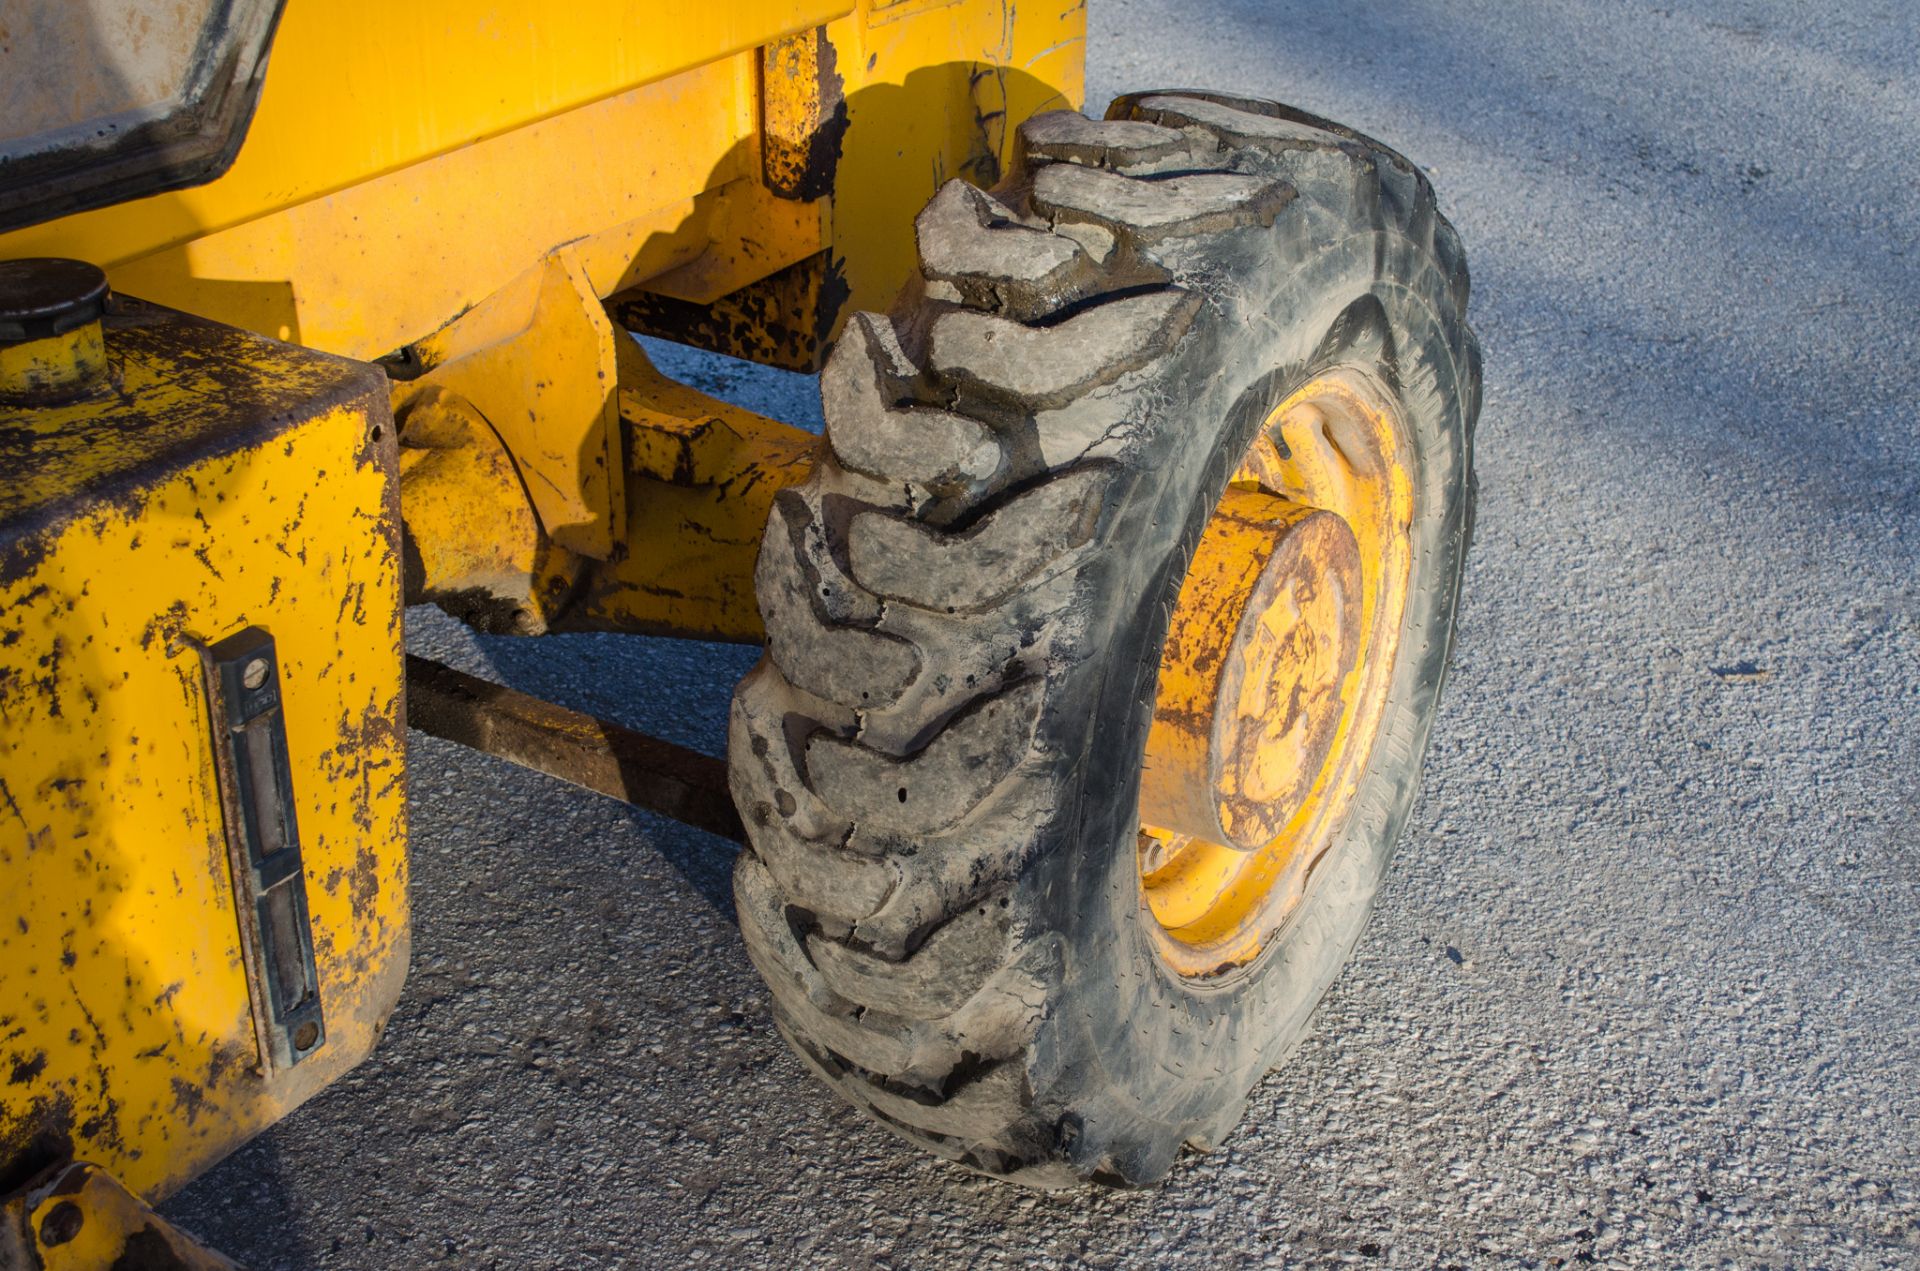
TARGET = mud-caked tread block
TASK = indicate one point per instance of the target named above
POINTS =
(931, 790)
(1052, 365)
(766, 929)
(769, 721)
(831, 660)
(1240, 127)
(932, 453)
(1305, 140)
(1149, 211)
(972, 242)
(856, 1045)
(966, 655)
(966, 571)
(1119, 145)
(932, 983)
(951, 873)
(816, 515)
(1103, 424)
(984, 1108)
(802, 841)
(1127, 106)
(977, 1110)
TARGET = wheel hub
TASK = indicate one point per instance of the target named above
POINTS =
(1266, 633)
(1274, 673)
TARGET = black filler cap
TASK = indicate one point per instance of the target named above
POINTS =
(45, 296)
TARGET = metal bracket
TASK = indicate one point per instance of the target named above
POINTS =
(263, 841)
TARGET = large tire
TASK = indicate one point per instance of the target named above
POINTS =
(939, 758)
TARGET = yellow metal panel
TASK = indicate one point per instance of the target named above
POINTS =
(541, 367)
(371, 268)
(874, 112)
(750, 233)
(360, 216)
(358, 88)
(82, 1219)
(474, 541)
(225, 482)
(803, 114)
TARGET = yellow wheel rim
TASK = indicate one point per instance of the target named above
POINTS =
(1274, 677)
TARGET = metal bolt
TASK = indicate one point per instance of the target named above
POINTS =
(62, 1224)
(255, 673)
(306, 1035)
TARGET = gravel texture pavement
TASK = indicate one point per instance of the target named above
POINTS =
(1642, 988)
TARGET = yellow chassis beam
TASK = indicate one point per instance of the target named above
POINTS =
(695, 477)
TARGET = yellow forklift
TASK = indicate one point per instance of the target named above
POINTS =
(1103, 628)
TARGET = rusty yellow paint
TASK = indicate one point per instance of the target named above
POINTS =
(400, 250)
(803, 115)
(868, 116)
(229, 482)
(1274, 675)
(475, 543)
(380, 194)
(760, 161)
(469, 204)
(54, 366)
(396, 257)
(702, 477)
(745, 232)
(80, 1218)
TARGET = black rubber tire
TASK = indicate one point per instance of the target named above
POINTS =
(938, 760)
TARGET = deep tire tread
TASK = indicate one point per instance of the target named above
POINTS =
(898, 970)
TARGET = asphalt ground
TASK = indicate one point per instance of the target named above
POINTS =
(1641, 990)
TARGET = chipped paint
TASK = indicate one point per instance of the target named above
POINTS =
(1272, 682)
(803, 115)
(787, 319)
(702, 475)
(226, 481)
(218, 480)
(79, 1217)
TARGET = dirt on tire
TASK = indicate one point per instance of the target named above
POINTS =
(938, 759)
